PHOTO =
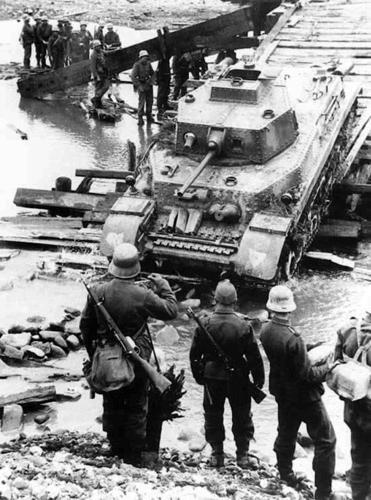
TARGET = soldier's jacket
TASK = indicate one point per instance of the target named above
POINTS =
(112, 38)
(142, 75)
(98, 65)
(43, 32)
(130, 305)
(27, 34)
(291, 376)
(349, 338)
(235, 337)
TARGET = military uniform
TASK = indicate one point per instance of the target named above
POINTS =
(112, 40)
(235, 337)
(142, 76)
(27, 39)
(181, 66)
(163, 78)
(357, 414)
(43, 34)
(99, 71)
(130, 305)
(297, 388)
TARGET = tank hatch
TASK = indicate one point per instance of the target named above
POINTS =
(255, 115)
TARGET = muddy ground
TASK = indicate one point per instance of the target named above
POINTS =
(138, 14)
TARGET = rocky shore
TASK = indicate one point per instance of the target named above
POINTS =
(66, 465)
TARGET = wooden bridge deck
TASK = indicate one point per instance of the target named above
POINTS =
(319, 32)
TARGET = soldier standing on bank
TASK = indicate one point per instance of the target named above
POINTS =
(357, 414)
(100, 73)
(142, 76)
(130, 305)
(27, 38)
(235, 337)
(297, 387)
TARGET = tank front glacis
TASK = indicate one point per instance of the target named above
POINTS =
(255, 116)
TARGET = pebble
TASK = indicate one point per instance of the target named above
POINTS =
(60, 342)
(36, 450)
(20, 483)
(168, 335)
(73, 342)
(33, 352)
(57, 352)
(49, 334)
(41, 419)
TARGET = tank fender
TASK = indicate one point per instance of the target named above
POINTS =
(261, 246)
(126, 223)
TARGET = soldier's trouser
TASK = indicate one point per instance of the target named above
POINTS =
(101, 87)
(215, 394)
(38, 49)
(145, 102)
(320, 429)
(360, 474)
(163, 91)
(27, 47)
(43, 55)
(179, 88)
(125, 418)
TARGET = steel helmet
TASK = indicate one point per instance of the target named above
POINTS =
(110, 26)
(101, 24)
(225, 293)
(281, 299)
(96, 43)
(143, 53)
(125, 261)
(83, 23)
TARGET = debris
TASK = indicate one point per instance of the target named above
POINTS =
(329, 258)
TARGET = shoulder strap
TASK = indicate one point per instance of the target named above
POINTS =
(217, 347)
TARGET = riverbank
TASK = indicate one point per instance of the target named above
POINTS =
(138, 14)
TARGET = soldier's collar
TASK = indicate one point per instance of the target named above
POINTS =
(281, 321)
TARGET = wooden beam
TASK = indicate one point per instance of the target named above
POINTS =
(102, 174)
(39, 198)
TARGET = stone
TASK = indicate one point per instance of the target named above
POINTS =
(17, 329)
(44, 346)
(72, 311)
(36, 450)
(20, 483)
(10, 351)
(41, 419)
(193, 303)
(56, 326)
(60, 342)
(17, 340)
(49, 334)
(32, 352)
(73, 342)
(57, 352)
(36, 319)
(197, 444)
(72, 330)
(34, 330)
(12, 421)
(168, 335)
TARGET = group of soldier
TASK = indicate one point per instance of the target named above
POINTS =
(60, 43)
(293, 381)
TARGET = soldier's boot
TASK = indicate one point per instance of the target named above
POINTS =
(242, 456)
(217, 455)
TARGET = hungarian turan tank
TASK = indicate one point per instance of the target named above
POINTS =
(245, 181)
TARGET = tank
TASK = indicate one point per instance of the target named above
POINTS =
(242, 184)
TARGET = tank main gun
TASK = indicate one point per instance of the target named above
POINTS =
(214, 146)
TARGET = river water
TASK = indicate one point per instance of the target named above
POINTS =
(62, 139)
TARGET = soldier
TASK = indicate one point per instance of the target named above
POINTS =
(38, 43)
(85, 39)
(235, 337)
(98, 33)
(43, 34)
(130, 305)
(297, 387)
(181, 66)
(27, 38)
(56, 48)
(100, 73)
(77, 48)
(142, 76)
(111, 38)
(198, 64)
(163, 78)
(357, 414)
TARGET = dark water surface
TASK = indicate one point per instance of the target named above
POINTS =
(62, 139)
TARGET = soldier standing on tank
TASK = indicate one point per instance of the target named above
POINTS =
(130, 305)
(163, 78)
(111, 38)
(27, 38)
(235, 337)
(198, 64)
(297, 387)
(43, 34)
(181, 67)
(100, 73)
(142, 76)
(357, 414)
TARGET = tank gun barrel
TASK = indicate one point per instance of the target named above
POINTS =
(211, 153)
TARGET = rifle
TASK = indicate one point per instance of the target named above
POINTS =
(257, 394)
(160, 382)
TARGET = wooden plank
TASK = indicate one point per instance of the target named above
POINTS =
(102, 174)
(330, 259)
(313, 44)
(39, 198)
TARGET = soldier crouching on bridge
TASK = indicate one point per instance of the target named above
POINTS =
(235, 337)
(100, 73)
(130, 305)
(297, 387)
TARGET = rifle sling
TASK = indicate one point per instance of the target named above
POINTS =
(226, 359)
